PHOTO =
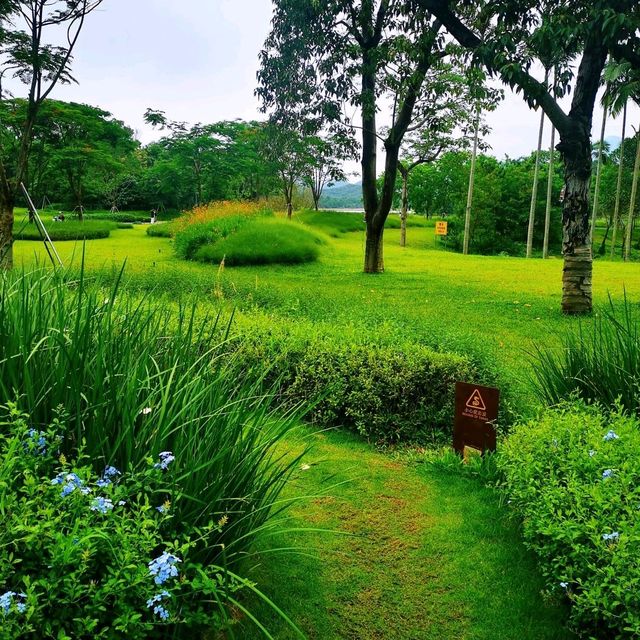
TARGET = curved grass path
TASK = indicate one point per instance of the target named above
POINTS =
(424, 553)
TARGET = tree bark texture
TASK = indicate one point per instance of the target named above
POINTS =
(632, 204)
(404, 213)
(374, 255)
(6, 236)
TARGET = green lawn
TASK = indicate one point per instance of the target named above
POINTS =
(426, 553)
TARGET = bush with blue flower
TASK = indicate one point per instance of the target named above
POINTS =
(89, 555)
(580, 505)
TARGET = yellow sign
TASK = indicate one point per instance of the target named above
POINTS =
(442, 228)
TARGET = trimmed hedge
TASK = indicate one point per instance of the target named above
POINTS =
(574, 478)
(386, 394)
(68, 230)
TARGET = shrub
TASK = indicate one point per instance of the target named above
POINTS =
(386, 394)
(600, 363)
(85, 555)
(67, 230)
(263, 241)
(574, 478)
(136, 381)
(160, 230)
(193, 236)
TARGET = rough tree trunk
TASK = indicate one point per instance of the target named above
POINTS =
(373, 254)
(289, 210)
(576, 226)
(6, 236)
(405, 210)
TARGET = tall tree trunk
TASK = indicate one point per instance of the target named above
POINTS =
(536, 172)
(596, 195)
(373, 254)
(404, 212)
(576, 245)
(6, 236)
(472, 175)
(616, 211)
(632, 203)
(547, 215)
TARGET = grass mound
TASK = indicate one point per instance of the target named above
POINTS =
(264, 241)
(69, 230)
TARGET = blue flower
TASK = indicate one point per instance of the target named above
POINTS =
(164, 567)
(102, 505)
(71, 482)
(157, 598)
(37, 441)
(7, 599)
(564, 585)
(611, 537)
(109, 476)
(611, 435)
(162, 508)
(161, 612)
(166, 458)
(607, 473)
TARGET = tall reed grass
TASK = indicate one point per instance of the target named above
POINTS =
(599, 363)
(137, 379)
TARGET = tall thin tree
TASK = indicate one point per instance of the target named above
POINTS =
(596, 195)
(26, 56)
(472, 176)
(547, 215)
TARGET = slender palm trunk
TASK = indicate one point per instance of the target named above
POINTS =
(632, 203)
(547, 215)
(616, 211)
(404, 212)
(472, 175)
(534, 191)
(596, 195)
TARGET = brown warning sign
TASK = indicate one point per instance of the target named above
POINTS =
(476, 412)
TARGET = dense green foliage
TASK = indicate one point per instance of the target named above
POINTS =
(600, 363)
(263, 241)
(502, 199)
(573, 477)
(139, 381)
(191, 237)
(385, 394)
(77, 546)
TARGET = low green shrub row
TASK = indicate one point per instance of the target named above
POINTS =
(160, 230)
(387, 394)
(68, 230)
(263, 241)
(573, 476)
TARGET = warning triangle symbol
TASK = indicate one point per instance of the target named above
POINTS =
(476, 401)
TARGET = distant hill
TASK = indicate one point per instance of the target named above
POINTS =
(342, 195)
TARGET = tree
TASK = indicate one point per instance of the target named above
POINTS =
(322, 58)
(444, 122)
(507, 37)
(26, 56)
(327, 155)
(292, 154)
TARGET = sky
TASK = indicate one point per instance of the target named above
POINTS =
(197, 60)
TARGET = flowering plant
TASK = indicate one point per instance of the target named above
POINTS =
(574, 478)
(86, 555)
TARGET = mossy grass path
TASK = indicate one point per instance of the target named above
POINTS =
(419, 553)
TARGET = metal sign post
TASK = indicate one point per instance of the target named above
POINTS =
(44, 234)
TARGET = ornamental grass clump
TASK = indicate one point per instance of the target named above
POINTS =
(86, 555)
(600, 363)
(573, 476)
(139, 379)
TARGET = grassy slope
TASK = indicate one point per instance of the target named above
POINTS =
(432, 556)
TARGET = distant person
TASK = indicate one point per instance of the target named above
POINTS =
(154, 216)
(59, 217)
